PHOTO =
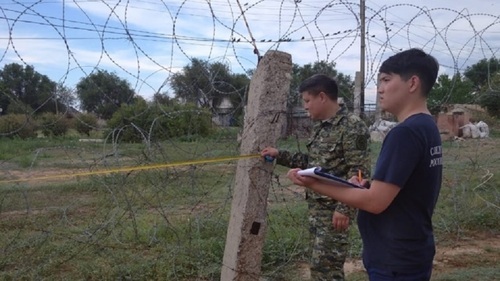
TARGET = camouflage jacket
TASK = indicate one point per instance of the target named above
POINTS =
(340, 145)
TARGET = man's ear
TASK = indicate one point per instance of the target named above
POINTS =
(414, 84)
(322, 96)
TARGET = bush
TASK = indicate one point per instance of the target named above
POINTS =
(85, 123)
(17, 107)
(491, 101)
(17, 125)
(182, 121)
(53, 125)
(138, 122)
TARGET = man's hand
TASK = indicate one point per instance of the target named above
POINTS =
(364, 182)
(269, 151)
(300, 180)
(340, 221)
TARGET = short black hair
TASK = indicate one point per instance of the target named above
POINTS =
(413, 62)
(320, 83)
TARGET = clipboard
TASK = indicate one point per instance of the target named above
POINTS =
(316, 172)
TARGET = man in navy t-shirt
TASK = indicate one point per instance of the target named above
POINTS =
(400, 238)
(395, 212)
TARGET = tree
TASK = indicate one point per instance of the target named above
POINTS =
(491, 101)
(141, 121)
(61, 100)
(164, 99)
(480, 73)
(300, 73)
(452, 90)
(485, 76)
(207, 84)
(25, 86)
(4, 99)
(65, 97)
(103, 93)
(490, 98)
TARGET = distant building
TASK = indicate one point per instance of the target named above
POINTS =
(223, 113)
(298, 123)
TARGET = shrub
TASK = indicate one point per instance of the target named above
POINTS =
(85, 123)
(491, 101)
(182, 121)
(137, 122)
(17, 125)
(18, 107)
(53, 125)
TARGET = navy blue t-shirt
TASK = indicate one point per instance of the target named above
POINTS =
(400, 238)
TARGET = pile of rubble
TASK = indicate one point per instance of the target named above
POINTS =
(475, 131)
(380, 128)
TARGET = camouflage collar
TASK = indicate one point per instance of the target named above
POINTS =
(334, 120)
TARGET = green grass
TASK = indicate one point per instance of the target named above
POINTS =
(170, 224)
(470, 195)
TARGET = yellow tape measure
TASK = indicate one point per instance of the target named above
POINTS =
(135, 168)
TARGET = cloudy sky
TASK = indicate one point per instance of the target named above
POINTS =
(145, 41)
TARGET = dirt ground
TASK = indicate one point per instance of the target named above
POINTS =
(475, 251)
(450, 256)
(453, 255)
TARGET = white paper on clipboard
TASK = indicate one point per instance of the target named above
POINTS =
(317, 173)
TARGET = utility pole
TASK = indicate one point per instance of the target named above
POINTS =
(357, 94)
(362, 60)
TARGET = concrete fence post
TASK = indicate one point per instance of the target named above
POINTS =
(265, 115)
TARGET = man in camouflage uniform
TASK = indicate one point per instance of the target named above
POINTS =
(338, 144)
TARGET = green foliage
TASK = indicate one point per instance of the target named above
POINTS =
(103, 93)
(18, 107)
(11, 148)
(65, 97)
(53, 124)
(469, 195)
(490, 96)
(485, 76)
(17, 125)
(226, 133)
(164, 99)
(480, 73)
(491, 101)
(479, 84)
(24, 85)
(208, 84)
(85, 123)
(284, 240)
(130, 122)
(4, 98)
(140, 121)
(300, 73)
(450, 91)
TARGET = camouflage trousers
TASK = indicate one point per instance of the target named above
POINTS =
(329, 246)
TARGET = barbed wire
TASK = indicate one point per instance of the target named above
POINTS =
(179, 215)
(384, 33)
